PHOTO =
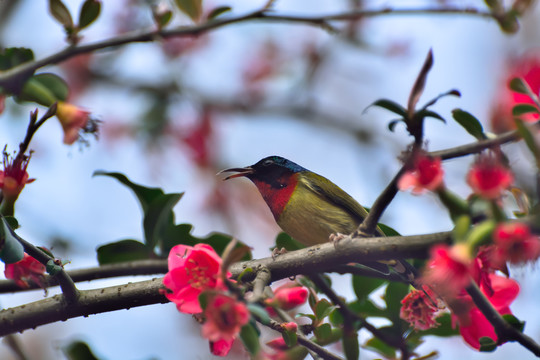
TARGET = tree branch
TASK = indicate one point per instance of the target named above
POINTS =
(313, 259)
(28, 68)
(90, 302)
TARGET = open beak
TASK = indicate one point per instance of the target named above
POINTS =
(239, 172)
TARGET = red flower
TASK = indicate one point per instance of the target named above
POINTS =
(449, 269)
(488, 177)
(28, 269)
(287, 297)
(514, 243)
(72, 119)
(527, 68)
(277, 344)
(419, 310)
(221, 347)
(473, 324)
(14, 177)
(426, 174)
(192, 270)
(224, 316)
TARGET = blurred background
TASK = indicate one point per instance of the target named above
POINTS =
(174, 112)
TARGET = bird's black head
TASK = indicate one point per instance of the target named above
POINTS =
(268, 170)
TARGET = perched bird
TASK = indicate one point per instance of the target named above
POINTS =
(307, 206)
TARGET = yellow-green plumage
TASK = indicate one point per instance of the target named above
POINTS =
(318, 208)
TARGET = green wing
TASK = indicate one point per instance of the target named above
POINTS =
(334, 194)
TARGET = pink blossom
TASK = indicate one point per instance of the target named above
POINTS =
(221, 347)
(14, 177)
(192, 270)
(25, 270)
(426, 174)
(419, 309)
(488, 177)
(287, 297)
(72, 119)
(473, 324)
(449, 269)
(515, 243)
(224, 316)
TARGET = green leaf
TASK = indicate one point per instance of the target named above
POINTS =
(14, 56)
(367, 308)
(323, 332)
(260, 313)
(323, 308)
(470, 123)
(284, 241)
(61, 13)
(146, 195)
(392, 124)
(79, 350)
(518, 85)
(487, 344)
(250, 338)
(391, 106)
(428, 113)
(121, 251)
(162, 19)
(336, 318)
(529, 139)
(218, 11)
(290, 337)
(12, 222)
(521, 109)
(56, 85)
(192, 8)
(445, 328)
(36, 91)
(11, 249)
(387, 230)
(89, 13)
(351, 348)
(380, 347)
(452, 92)
(159, 217)
(363, 286)
(514, 321)
(395, 292)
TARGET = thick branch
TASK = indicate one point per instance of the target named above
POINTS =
(90, 302)
(262, 15)
(309, 260)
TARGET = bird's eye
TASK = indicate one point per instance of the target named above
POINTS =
(268, 162)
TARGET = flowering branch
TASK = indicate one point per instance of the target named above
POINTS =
(350, 316)
(14, 74)
(67, 285)
(33, 126)
(504, 330)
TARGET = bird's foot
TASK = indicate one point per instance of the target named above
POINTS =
(336, 238)
(276, 252)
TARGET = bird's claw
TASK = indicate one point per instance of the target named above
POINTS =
(276, 252)
(336, 238)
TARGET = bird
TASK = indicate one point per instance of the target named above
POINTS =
(307, 206)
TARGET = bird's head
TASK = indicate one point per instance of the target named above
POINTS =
(272, 170)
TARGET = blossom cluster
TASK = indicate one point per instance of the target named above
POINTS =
(453, 270)
(195, 273)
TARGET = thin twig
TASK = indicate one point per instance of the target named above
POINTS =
(69, 290)
(130, 268)
(28, 68)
